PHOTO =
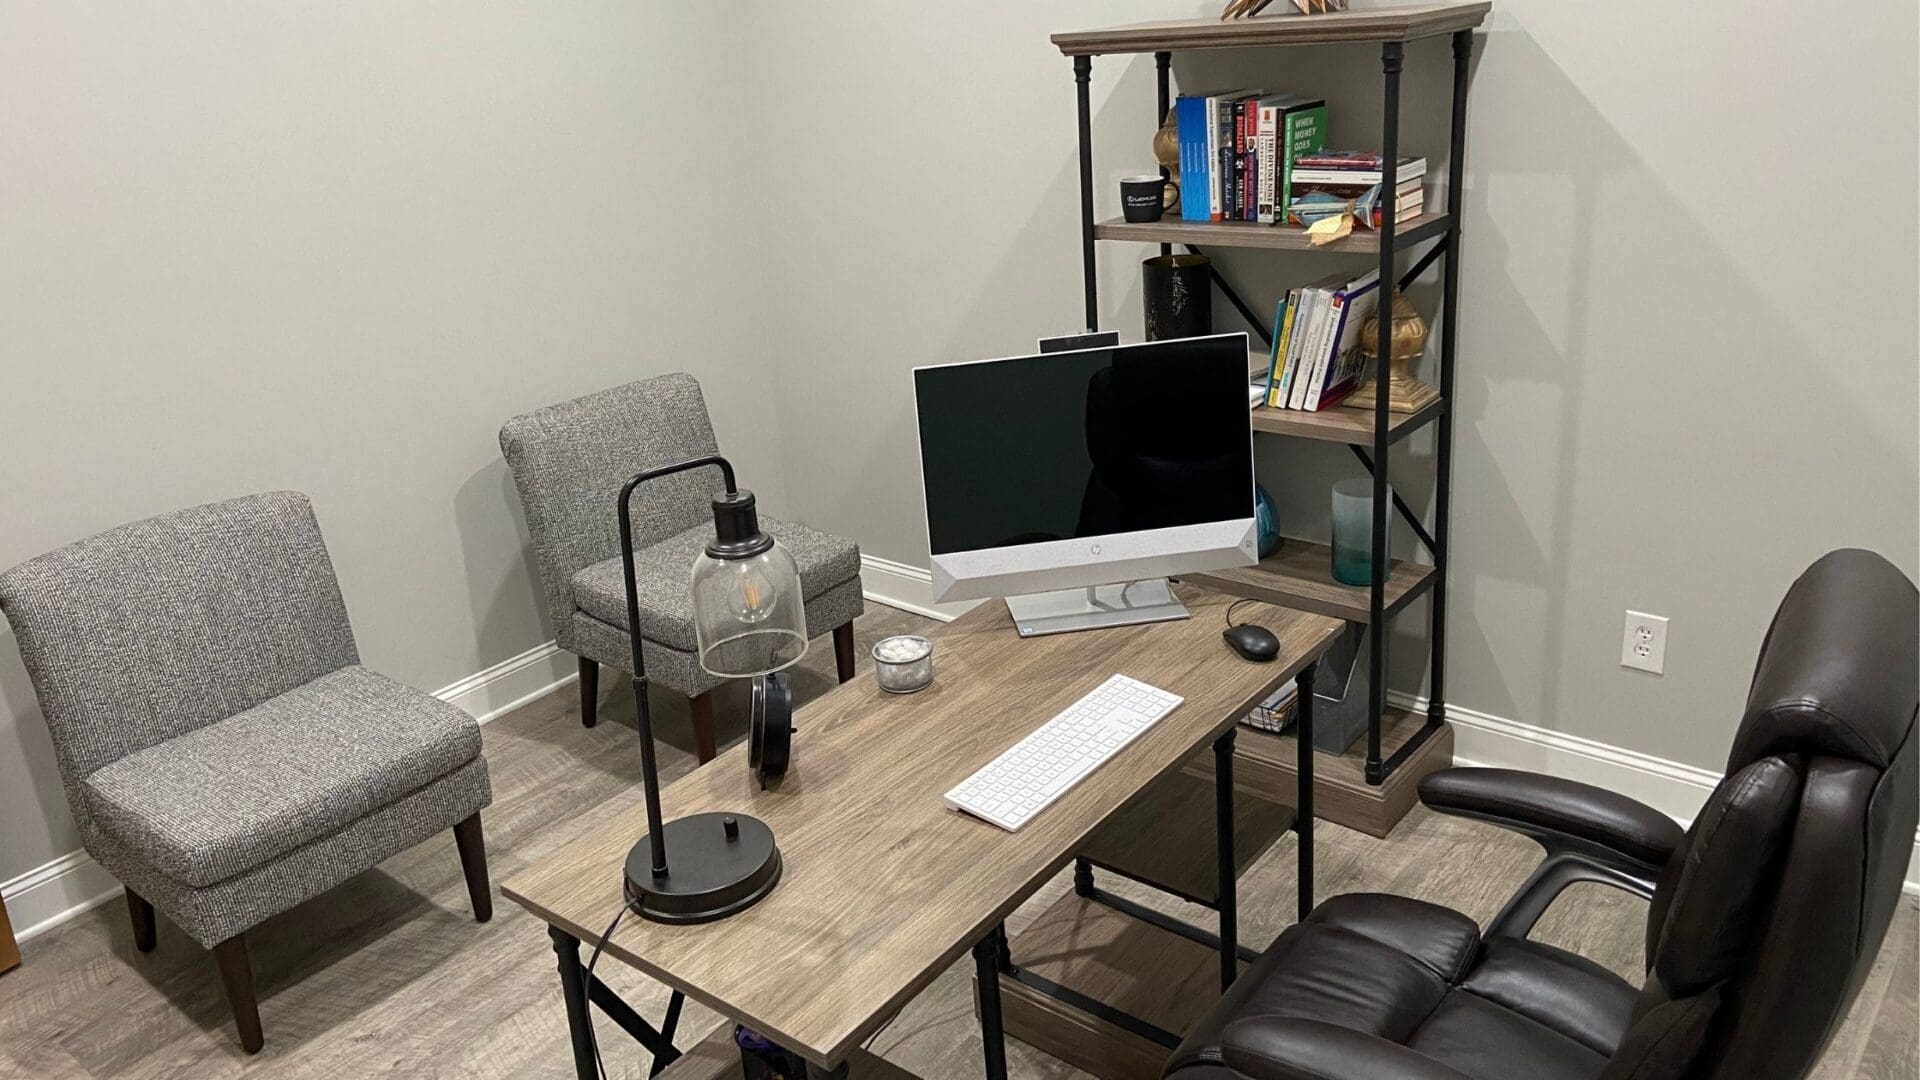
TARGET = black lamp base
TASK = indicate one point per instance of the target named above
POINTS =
(717, 864)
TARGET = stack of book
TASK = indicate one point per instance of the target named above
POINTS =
(1237, 150)
(1316, 358)
(1348, 181)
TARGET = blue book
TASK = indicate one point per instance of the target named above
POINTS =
(1190, 117)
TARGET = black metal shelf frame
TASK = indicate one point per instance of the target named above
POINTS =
(1445, 250)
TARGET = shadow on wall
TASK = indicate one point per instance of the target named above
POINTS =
(29, 764)
(500, 592)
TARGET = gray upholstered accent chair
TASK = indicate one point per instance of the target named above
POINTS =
(570, 461)
(223, 751)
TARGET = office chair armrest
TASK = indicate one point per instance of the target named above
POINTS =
(1274, 1049)
(1588, 833)
(1562, 815)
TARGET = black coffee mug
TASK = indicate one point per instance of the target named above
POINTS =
(1143, 198)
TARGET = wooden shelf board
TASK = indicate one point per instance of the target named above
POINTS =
(1136, 967)
(1248, 234)
(1264, 767)
(1300, 575)
(1340, 424)
(1400, 23)
(1165, 836)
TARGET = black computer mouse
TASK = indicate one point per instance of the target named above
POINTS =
(1252, 642)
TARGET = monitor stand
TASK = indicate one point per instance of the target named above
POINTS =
(1094, 607)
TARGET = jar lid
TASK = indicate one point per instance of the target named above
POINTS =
(901, 649)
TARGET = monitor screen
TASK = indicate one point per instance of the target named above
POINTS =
(1082, 444)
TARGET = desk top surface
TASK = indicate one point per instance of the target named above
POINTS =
(883, 886)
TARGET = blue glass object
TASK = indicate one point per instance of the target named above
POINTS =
(1266, 521)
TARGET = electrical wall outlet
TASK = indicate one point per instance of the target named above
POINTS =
(1643, 645)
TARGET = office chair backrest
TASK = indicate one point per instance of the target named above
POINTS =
(570, 460)
(163, 626)
(1770, 915)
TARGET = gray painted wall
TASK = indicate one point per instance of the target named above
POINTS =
(331, 246)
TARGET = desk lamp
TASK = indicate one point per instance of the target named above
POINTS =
(749, 620)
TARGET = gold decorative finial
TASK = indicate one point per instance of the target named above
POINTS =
(1405, 392)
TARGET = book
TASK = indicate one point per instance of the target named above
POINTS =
(1225, 186)
(1238, 212)
(1266, 122)
(1277, 347)
(1298, 127)
(1277, 392)
(1312, 202)
(1190, 120)
(1308, 338)
(1221, 178)
(1409, 169)
(1338, 366)
(1307, 362)
(1345, 159)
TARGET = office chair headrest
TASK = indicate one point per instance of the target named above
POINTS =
(1839, 672)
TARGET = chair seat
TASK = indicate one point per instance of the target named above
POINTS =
(661, 571)
(241, 792)
(1419, 977)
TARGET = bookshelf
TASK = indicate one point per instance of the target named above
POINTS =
(1246, 234)
(1400, 747)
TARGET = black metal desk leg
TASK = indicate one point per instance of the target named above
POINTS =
(1303, 817)
(987, 954)
(1082, 74)
(1229, 891)
(820, 1072)
(573, 988)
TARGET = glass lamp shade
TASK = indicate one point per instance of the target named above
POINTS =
(748, 614)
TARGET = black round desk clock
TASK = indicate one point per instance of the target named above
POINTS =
(770, 736)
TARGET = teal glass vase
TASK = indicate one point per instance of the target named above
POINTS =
(1353, 532)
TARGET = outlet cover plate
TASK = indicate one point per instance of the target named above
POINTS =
(1643, 643)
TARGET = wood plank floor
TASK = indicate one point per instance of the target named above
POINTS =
(388, 975)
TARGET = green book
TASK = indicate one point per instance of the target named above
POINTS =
(1302, 130)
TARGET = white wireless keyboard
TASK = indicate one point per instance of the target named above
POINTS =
(1012, 788)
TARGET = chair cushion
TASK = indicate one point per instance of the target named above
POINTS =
(243, 791)
(661, 571)
(1401, 973)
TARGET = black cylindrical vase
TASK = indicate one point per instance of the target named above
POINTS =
(1178, 296)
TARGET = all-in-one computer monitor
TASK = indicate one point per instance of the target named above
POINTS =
(1073, 483)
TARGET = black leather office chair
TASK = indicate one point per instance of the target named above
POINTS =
(1765, 915)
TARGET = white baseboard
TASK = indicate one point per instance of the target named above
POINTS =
(49, 895)
(1479, 738)
(1675, 789)
(512, 683)
(46, 896)
(909, 588)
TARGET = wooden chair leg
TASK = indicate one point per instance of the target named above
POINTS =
(9, 949)
(703, 745)
(589, 692)
(473, 862)
(843, 650)
(236, 976)
(142, 913)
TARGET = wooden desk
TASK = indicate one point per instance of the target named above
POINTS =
(884, 887)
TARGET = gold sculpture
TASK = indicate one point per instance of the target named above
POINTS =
(1246, 9)
(1166, 150)
(1405, 392)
